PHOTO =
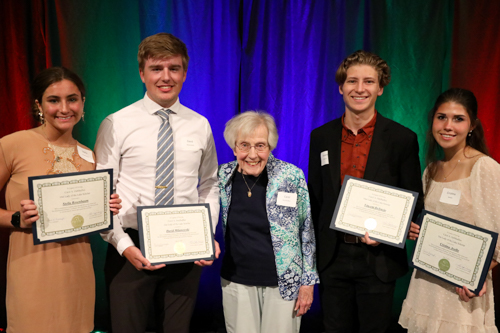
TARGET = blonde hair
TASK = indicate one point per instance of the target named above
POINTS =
(246, 123)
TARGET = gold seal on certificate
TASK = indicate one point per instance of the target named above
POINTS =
(71, 204)
(383, 211)
(454, 251)
(176, 233)
(77, 221)
(179, 248)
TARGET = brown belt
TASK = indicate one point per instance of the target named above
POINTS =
(351, 239)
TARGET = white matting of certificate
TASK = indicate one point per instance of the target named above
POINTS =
(383, 211)
(176, 234)
(71, 204)
(454, 251)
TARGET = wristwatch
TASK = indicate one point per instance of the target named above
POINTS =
(16, 220)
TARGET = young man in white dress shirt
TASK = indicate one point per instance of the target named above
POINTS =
(127, 143)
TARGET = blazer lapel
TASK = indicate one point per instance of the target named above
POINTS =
(378, 148)
(334, 146)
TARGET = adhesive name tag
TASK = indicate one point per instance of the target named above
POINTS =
(287, 199)
(189, 144)
(86, 154)
(324, 158)
(450, 196)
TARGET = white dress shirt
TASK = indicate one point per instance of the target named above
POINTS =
(127, 143)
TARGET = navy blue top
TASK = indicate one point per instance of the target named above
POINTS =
(249, 257)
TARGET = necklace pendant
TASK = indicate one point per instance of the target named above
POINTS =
(58, 159)
(249, 194)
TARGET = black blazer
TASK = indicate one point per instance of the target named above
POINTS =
(393, 160)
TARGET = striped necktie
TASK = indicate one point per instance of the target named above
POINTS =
(164, 189)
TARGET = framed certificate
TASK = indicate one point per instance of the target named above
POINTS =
(383, 211)
(454, 251)
(71, 204)
(176, 234)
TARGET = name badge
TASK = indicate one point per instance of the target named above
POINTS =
(189, 144)
(324, 158)
(450, 196)
(287, 199)
(85, 154)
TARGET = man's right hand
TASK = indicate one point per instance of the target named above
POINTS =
(134, 255)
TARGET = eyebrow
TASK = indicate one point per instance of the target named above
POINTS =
(56, 96)
(364, 78)
(455, 115)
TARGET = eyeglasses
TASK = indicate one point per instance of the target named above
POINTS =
(245, 146)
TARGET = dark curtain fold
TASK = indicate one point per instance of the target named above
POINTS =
(476, 61)
(278, 56)
(24, 41)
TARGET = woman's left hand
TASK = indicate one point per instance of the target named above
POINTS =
(466, 295)
(114, 203)
(304, 300)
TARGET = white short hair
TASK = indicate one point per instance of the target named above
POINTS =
(244, 124)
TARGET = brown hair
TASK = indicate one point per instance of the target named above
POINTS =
(476, 139)
(160, 46)
(361, 57)
(48, 77)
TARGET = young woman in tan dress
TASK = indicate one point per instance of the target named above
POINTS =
(51, 286)
(432, 305)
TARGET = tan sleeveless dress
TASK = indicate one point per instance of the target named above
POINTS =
(50, 287)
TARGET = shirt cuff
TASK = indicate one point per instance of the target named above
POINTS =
(124, 243)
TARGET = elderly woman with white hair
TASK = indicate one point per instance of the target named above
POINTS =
(269, 268)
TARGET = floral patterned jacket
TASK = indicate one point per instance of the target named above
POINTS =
(292, 233)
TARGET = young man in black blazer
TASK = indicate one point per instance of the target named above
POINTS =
(358, 274)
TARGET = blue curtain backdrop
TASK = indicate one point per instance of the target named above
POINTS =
(276, 55)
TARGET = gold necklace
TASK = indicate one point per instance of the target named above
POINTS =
(453, 168)
(249, 193)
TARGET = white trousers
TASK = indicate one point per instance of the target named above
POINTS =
(249, 309)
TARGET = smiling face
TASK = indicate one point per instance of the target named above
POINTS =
(361, 89)
(163, 79)
(450, 126)
(253, 162)
(61, 106)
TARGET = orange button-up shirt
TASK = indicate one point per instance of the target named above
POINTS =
(355, 149)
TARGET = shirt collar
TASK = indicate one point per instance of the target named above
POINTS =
(152, 107)
(370, 125)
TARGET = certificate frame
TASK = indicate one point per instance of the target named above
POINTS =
(343, 221)
(155, 255)
(99, 222)
(484, 243)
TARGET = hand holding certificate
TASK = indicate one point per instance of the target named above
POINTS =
(454, 251)
(176, 234)
(383, 211)
(71, 204)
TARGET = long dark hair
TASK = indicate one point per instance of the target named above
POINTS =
(476, 139)
(48, 77)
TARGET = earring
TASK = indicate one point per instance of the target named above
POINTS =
(40, 116)
(470, 133)
(83, 116)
